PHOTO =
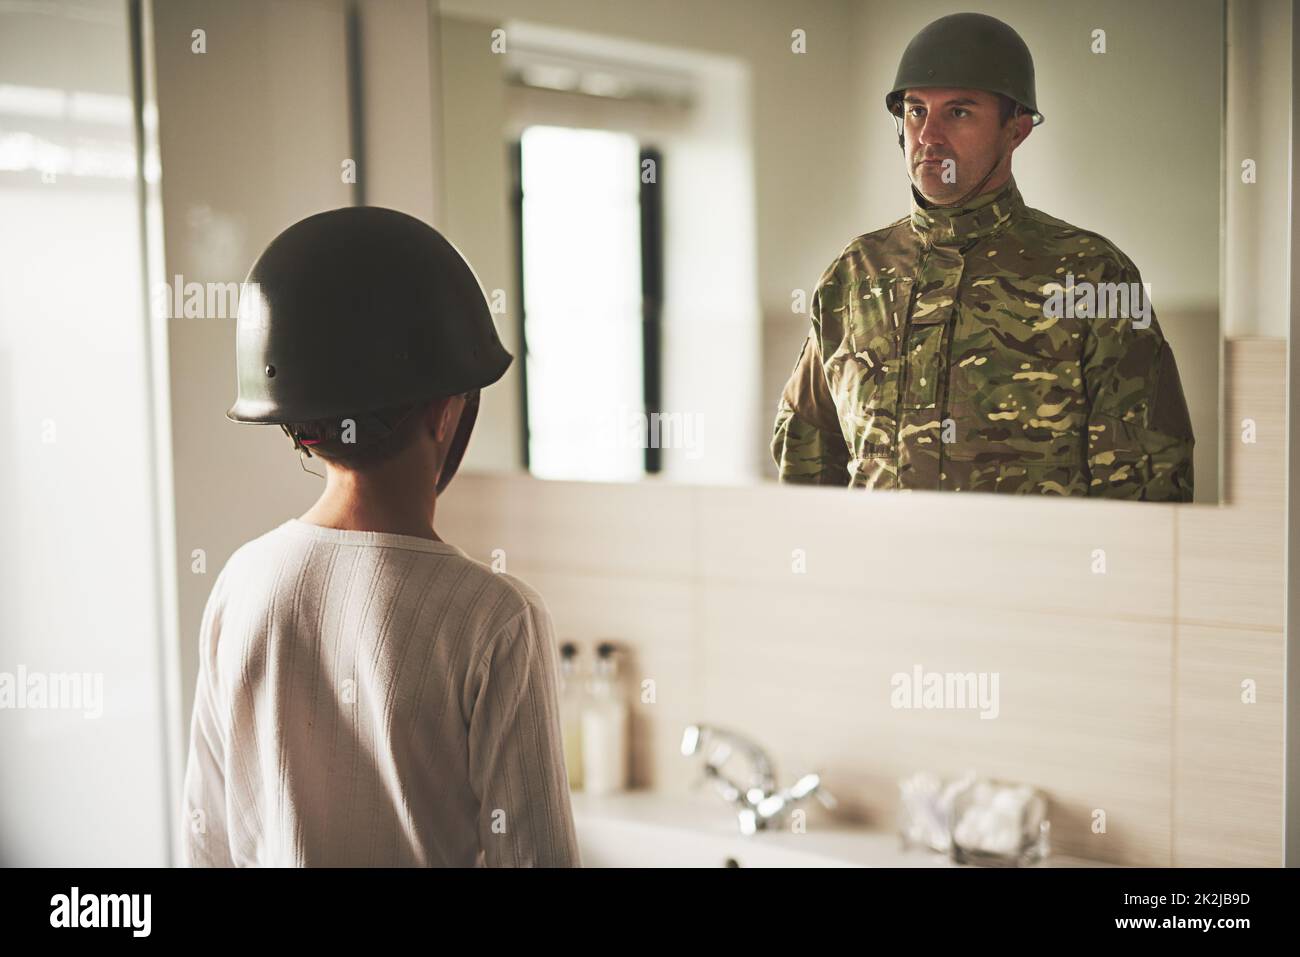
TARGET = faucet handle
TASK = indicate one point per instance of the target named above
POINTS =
(811, 783)
(760, 802)
(721, 744)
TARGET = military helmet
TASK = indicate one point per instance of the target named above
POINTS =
(970, 50)
(359, 309)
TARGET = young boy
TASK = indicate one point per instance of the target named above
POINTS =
(368, 695)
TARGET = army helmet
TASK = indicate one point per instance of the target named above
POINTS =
(357, 309)
(356, 312)
(970, 50)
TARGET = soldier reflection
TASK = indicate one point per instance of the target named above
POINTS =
(980, 344)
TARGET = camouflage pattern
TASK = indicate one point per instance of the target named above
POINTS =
(932, 364)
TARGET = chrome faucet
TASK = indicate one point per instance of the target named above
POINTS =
(760, 804)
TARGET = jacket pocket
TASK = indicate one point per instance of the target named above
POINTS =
(927, 333)
(864, 369)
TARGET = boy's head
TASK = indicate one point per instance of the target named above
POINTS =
(366, 337)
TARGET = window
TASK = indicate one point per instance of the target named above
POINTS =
(588, 247)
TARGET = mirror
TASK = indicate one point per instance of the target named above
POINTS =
(654, 203)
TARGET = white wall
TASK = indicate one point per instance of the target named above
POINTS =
(79, 582)
(1256, 256)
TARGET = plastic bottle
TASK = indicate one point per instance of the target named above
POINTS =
(605, 747)
(571, 713)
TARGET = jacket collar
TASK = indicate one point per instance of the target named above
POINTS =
(979, 217)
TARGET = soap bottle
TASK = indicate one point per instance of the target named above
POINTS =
(571, 713)
(605, 726)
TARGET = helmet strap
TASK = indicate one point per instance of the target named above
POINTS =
(1002, 154)
(974, 190)
(456, 449)
(302, 462)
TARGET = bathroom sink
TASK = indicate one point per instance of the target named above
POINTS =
(649, 829)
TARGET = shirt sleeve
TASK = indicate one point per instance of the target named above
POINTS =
(516, 752)
(807, 442)
(204, 838)
(1139, 431)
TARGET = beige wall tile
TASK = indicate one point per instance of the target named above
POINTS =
(983, 552)
(1256, 472)
(1231, 558)
(605, 529)
(1228, 754)
(1085, 705)
(1230, 566)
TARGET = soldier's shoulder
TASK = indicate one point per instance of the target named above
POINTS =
(870, 254)
(1056, 235)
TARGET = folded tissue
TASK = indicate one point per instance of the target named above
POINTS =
(926, 810)
(975, 820)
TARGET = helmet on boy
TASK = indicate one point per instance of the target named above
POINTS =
(358, 310)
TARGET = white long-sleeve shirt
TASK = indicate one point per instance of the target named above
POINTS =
(371, 699)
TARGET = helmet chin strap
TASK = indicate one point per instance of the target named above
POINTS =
(974, 190)
(456, 448)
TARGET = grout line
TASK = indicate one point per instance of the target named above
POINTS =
(599, 573)
(699, 652)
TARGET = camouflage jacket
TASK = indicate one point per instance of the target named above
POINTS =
(988, 347)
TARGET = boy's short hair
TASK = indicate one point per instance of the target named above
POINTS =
(358, 441)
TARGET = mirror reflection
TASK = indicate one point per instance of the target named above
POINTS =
(885, 246)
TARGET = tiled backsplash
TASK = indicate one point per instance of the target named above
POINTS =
(784, 613)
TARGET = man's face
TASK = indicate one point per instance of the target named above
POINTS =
(952, 136)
